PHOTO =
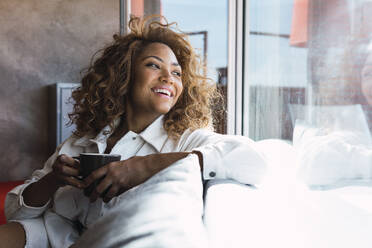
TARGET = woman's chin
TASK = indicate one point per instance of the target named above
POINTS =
(163, 109)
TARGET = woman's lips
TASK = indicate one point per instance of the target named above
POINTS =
(163, 91)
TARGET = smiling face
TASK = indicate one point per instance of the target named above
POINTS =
(157, 82)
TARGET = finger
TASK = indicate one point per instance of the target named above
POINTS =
(104, 185)
(95, 175)
(101, 188)
(77, 164)
(94, 195)
(65, 159)
(69, 171)
(112, 192)
(74, 182)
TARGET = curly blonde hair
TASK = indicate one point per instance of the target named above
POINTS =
(101, 97)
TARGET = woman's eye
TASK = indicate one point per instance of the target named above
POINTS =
(177, 73)
(153, 65)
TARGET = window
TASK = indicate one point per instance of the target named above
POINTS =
(308, 80)
(276, 69)
(307, 60)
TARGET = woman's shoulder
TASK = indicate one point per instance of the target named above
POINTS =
(210, 133)
(198, 133)
(204, 136)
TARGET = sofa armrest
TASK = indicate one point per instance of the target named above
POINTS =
(226, 203)
(5, 187)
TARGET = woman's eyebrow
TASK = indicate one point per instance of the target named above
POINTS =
(157, 58)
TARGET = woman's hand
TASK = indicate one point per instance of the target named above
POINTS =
(65, 171)
(118, 177)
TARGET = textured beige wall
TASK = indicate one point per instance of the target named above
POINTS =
(42, 42)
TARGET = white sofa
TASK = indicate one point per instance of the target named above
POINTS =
(239, 216)
(284, 212)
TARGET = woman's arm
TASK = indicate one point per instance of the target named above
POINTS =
(220, 156)
(38, 194)
(31, 199)
(226, 156)
(64, 172)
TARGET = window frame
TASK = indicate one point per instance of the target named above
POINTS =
(125, 7)
(237, 91)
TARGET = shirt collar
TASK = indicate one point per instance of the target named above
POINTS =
(100, 138)
(155, 134)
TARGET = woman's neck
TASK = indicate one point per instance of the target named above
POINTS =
(128, 123)
(139, 124)
(137, 121)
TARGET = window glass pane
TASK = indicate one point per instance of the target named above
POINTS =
(276, 73)
(207, 33)
(310, 83)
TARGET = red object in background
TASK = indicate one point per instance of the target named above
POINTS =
(141, 7)
(299, 29)
(137, 7)
(5, 187)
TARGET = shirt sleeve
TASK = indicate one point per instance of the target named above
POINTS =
(226, 156)
(15, 207)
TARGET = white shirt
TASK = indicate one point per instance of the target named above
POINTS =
(224, 157)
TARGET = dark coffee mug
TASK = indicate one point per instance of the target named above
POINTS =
(90, 162)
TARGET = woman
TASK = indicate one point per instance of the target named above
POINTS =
(146, 99)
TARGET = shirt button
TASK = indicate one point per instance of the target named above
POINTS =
(212, 174)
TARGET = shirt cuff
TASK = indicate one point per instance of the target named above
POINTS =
(212, 163)
(20, 208)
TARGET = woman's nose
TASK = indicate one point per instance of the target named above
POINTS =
(166, 76)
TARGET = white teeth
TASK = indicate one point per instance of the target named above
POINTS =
(164, 91)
